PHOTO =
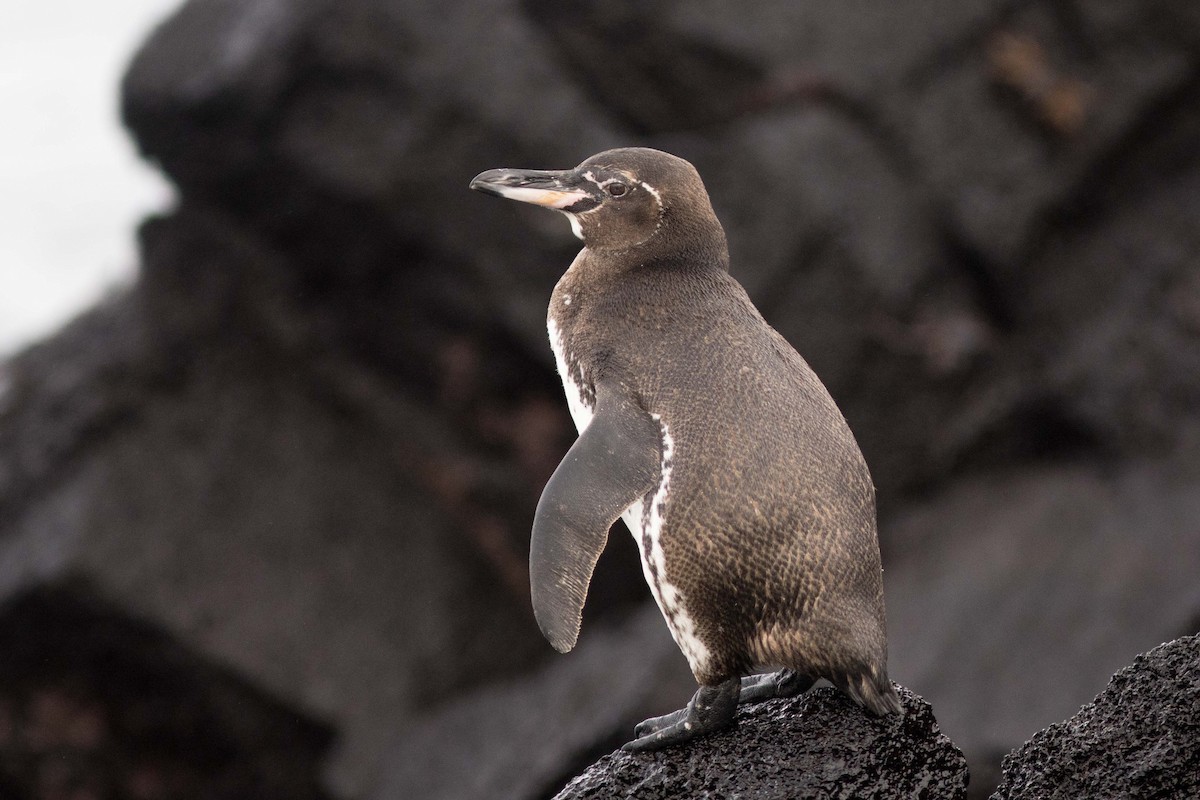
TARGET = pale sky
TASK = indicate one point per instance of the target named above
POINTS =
(71, 186)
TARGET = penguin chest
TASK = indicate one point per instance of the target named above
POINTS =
(646, 518)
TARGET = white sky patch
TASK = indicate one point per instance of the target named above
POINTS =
(72, 189)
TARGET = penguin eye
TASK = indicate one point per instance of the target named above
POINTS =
(616, 189)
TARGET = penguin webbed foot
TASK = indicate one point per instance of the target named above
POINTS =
(784, 683)
(711, 709)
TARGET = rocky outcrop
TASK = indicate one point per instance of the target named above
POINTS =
(308, 442)
(817, 745)
(1138, 738)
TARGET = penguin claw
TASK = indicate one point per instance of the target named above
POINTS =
(656, 724)
(711, 709)
(674, 734)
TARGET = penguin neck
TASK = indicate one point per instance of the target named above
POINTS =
(605, 290)
(596, 267)
(568, 295)
(598, 274)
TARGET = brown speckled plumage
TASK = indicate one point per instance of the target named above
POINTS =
(768, 527)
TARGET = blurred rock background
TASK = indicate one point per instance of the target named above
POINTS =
(306, 444)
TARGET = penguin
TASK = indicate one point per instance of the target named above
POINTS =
(711, 437)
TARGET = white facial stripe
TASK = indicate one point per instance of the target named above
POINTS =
(652, 191)
(542, 197)
(576, 228)
(591, 176)
(662, 209)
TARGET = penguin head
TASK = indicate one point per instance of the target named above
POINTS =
(631, 198)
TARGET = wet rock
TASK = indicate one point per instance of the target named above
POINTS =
(1138, 738)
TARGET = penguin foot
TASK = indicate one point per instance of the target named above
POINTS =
(785, 683)
(711, 709)
(655, 724)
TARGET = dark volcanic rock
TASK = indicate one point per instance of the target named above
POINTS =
(1040, 100)
(1075, 568)
(233, 474)
(94, 703)
(818, 745)
(1138, 738)
(347, 132)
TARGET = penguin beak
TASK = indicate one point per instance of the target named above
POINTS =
(558, 189)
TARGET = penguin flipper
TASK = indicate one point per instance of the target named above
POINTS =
(612, 465)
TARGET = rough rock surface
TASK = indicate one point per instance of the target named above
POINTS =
(1138, 738)
(818, 745)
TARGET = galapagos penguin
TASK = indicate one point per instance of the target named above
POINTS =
(703, 429)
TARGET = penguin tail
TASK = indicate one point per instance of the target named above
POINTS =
(877, 695)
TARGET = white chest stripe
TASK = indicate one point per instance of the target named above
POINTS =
(645, 520)
(581, 412)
